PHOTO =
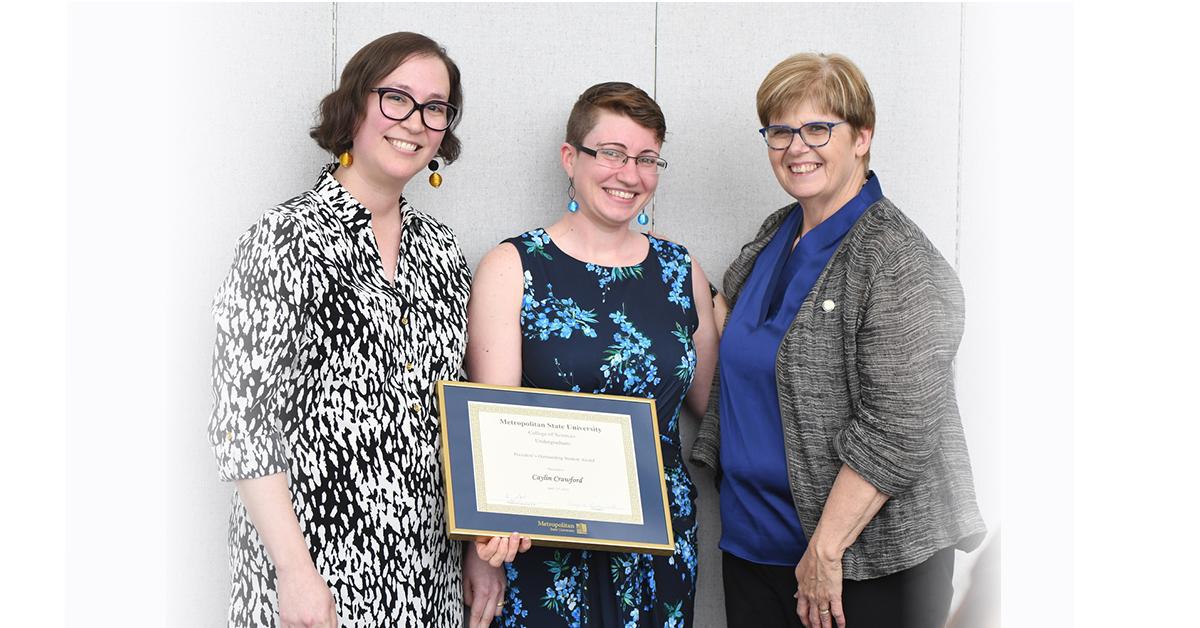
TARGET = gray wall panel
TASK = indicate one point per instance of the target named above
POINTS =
(711, 59)
(523, 66)
(187, 121)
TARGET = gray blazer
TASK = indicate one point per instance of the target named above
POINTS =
(865, 377)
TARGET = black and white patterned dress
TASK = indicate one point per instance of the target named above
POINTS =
(325, 371)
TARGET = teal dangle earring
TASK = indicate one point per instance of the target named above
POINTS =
(573, 205)
(643, 218)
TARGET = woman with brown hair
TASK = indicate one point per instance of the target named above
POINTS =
(589, 305)
(343, 307)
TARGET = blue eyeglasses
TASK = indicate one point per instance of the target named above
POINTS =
(814, 134)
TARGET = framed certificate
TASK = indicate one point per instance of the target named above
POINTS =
(565, 469)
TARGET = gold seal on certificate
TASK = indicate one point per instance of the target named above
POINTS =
(563, 468)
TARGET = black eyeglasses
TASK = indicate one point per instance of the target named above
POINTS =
(397, 104)
(613, 158)
(814, 134)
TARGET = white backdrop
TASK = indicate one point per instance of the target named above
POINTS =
(187, 121)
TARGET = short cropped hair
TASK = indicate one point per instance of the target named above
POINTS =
(344, 108)
(829, 81)
(619, 98)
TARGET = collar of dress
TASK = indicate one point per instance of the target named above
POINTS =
(343, 204)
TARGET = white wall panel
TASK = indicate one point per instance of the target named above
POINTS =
(260, 71)
(186, 123)
(1014, 365)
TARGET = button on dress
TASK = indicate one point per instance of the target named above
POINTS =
(324, 370)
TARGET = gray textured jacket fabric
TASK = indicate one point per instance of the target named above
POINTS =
(865, 377)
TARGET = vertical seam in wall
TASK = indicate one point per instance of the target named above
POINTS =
(962, 23)
(654, 86)
(654, 95)
(333, 46)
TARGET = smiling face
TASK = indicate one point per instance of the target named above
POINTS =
(822, 179)
(612, 195)
(391, 152)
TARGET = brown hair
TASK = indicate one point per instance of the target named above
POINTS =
(619, 98)
(343, 109)
(829, 81)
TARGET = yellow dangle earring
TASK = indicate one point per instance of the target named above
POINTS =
(345, 159)
(435, 179)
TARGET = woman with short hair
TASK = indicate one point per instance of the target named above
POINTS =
(589, 305)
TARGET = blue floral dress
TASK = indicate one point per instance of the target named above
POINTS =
(622, 331)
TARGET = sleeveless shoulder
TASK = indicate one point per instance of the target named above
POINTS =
(676, 266)
(531, 243)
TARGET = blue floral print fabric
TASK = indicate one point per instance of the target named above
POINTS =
(621, 331)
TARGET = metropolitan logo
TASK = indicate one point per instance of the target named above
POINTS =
(564, 527)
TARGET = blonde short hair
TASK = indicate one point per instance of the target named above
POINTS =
(829, 81)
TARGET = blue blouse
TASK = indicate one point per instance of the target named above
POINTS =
(758, 517)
